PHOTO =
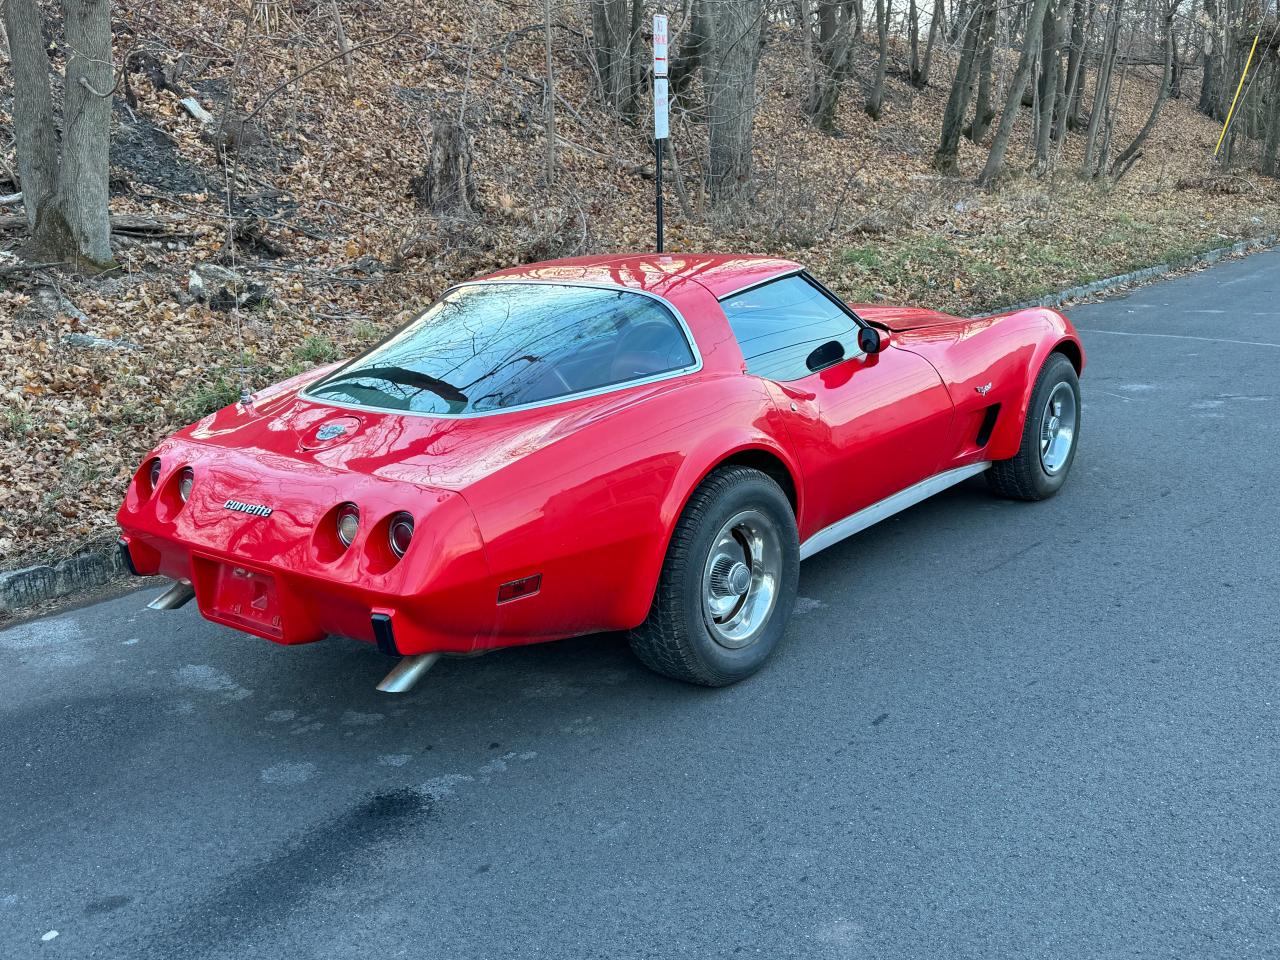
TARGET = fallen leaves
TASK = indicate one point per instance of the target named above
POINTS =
(865, 211)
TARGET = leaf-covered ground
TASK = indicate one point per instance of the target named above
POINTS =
(325, 218)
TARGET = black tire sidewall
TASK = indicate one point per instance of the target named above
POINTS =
(1056, 371)
(759, 493)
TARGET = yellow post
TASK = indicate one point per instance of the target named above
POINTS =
(1230, 113)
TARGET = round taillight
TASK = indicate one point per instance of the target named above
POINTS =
(400, 532)
(186, 480)
(348, 523)
(153, 474)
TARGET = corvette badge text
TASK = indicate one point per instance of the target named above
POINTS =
(255, 509)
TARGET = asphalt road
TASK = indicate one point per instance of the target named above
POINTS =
(996, 730)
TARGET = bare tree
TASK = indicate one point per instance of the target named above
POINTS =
(1081, 14)
(550, 105)
(64, 188)
(1129, 155)
(1031, 40)
(945, 158)
(875, 99)
(1102, 90)
(837, 35)
(690, 52)
(1212, 54)
(344, 45)
(1048, 82)
(937, 23)
(913, 40)
(613, 43)
(734, 33)
(983, 112)
(1271, 146)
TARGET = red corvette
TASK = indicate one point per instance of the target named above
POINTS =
(640, 443)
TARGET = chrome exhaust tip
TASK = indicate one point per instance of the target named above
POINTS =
(405, 674)
(179, 594)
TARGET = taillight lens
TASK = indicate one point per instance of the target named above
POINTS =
(400, 533)
(348, 523)
(186, 480)
(153, 474)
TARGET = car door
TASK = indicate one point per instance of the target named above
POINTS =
(862, 428)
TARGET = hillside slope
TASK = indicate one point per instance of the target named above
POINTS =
(93, 373)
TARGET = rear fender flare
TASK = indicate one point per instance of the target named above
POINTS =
(696, 467)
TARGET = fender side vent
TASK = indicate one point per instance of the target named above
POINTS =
(988, 424)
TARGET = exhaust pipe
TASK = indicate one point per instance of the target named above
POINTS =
(407, 672)
(179, 594)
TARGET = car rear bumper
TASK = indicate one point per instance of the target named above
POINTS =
(289, 606)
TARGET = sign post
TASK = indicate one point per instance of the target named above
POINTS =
(660, 128)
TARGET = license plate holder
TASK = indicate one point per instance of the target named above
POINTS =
(248, 596)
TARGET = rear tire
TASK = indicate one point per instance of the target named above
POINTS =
(1049, 437)
(728, 583)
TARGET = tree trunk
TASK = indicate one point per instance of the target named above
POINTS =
(1048, 84)
(1271, 146)
(995, 159)
(33, 124)
(875, 100)
(937, 24)
(832, 68)
(344, 45)
(550, 105)
(611, 40)
(960, 20)
(65, 196)
(853, 9)
(945, 157)
(1077, 98)
(1212, 62)
(1130, 153)
(81, 232)
(913, 38)
(729, 74)
(1081, 11)
(691, 51)
(804, 14)
(1102, 90)
(1175, 78)
(983, 114)
(447, 187)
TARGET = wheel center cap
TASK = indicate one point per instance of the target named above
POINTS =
(1055, 423)
(739, 578)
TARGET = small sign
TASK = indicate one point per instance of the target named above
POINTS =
(659, 45)
(660, 129)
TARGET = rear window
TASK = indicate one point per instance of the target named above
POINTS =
(778, 325)
(493, 346)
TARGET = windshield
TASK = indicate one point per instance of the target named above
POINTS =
(492, 346)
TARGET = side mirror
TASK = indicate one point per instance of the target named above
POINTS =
(827, 355)
(872, 340)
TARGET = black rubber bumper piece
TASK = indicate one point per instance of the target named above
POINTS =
(384, 634)
(128, 557)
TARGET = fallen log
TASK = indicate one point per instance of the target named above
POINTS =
(125, 224)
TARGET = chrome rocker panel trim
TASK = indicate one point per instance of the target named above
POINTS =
(869, 516)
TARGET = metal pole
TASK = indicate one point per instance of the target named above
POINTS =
(660, 128)
(658, 182)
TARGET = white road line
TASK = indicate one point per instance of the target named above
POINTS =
(1179, 336)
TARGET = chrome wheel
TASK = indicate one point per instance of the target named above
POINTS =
(741, 578)
(1058, 428)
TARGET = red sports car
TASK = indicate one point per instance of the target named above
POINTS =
(641, 443)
